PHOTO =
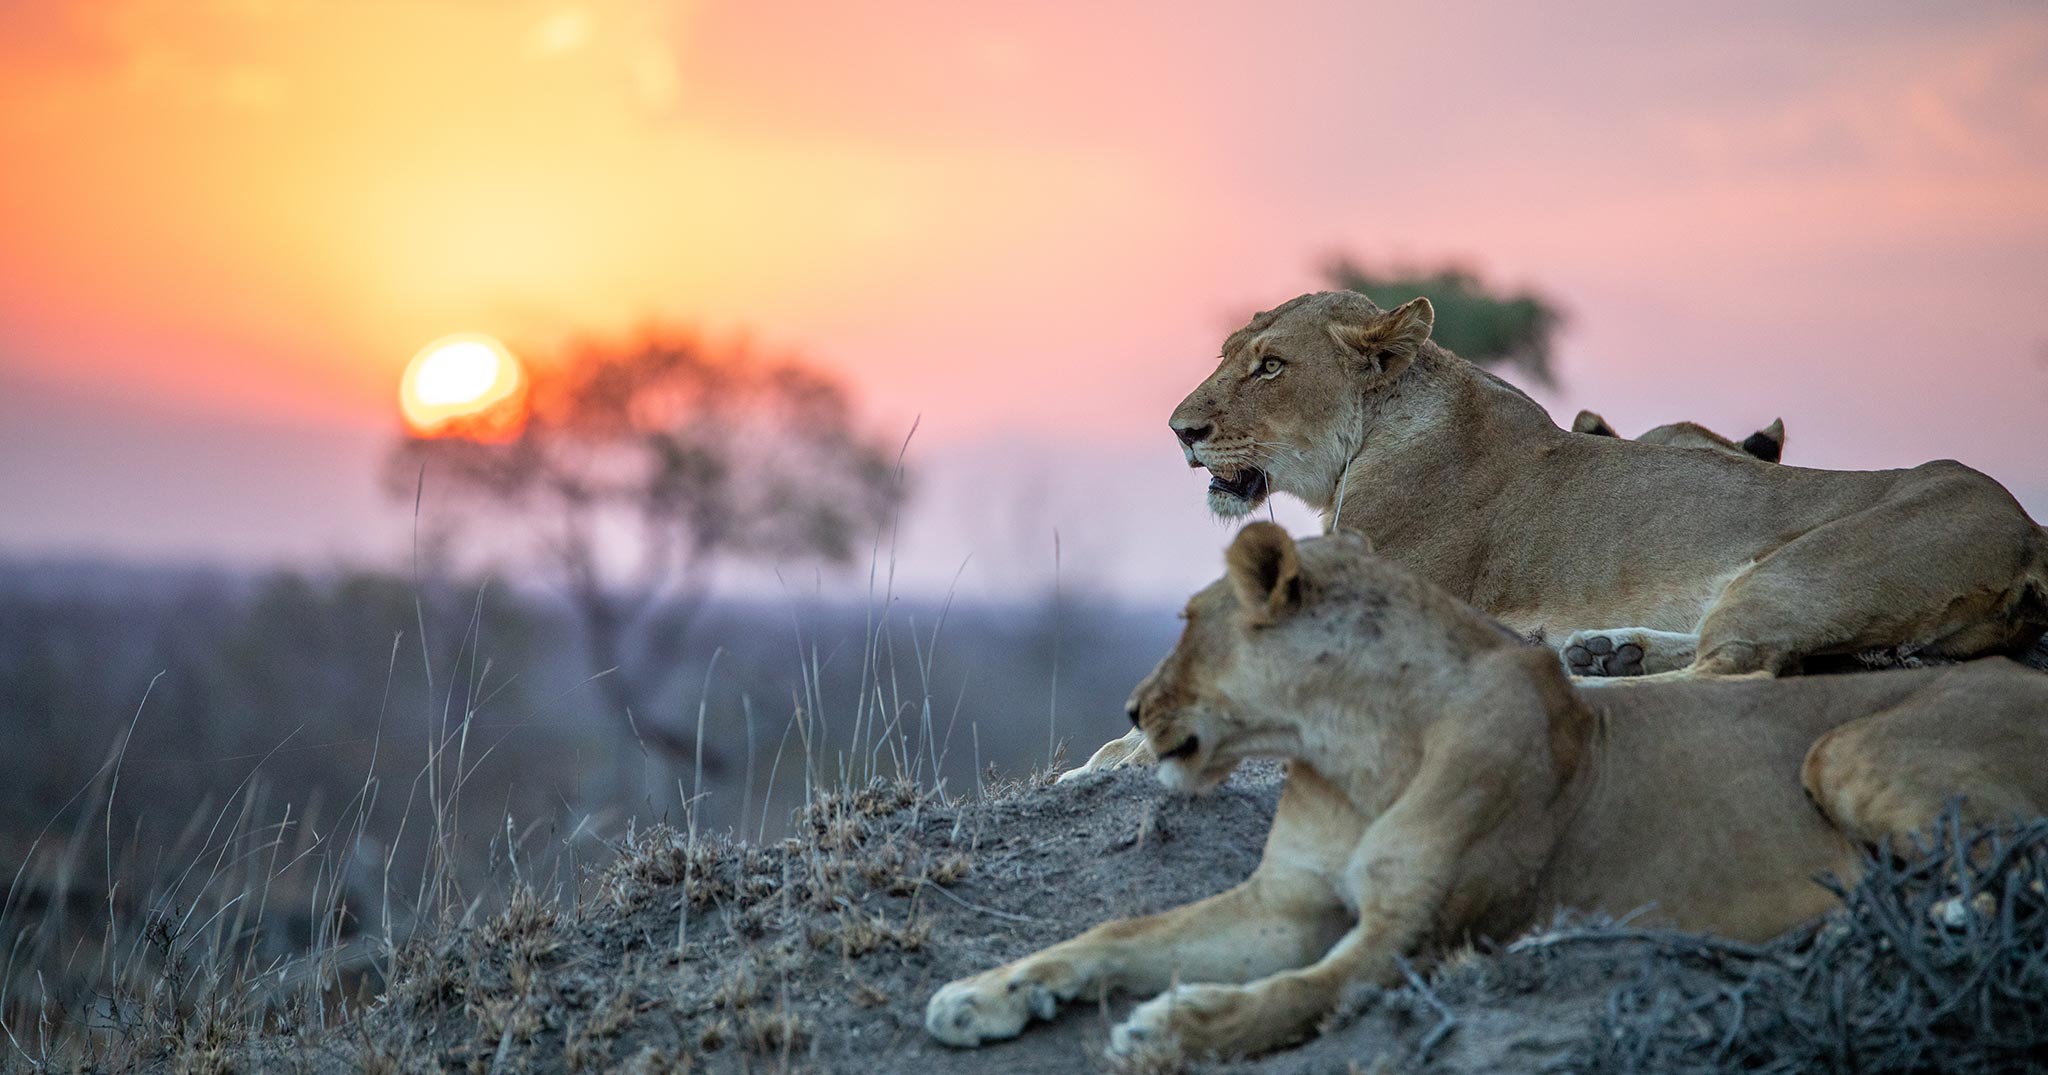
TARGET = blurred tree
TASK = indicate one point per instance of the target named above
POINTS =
(1471, 319)
(642, 465)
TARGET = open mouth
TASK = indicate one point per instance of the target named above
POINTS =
(1248, 484)
(1184, 768)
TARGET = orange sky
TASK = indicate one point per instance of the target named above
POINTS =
(229, 224)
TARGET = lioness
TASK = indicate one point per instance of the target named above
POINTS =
(1641, 560)
(1767, 444)
(1447, 782)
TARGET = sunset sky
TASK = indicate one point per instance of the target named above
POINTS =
(227, 225)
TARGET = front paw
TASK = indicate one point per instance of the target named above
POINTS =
(989, 1007)
(1115, 754)
(1187, 1021)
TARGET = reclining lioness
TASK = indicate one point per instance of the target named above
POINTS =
(1640, 560)
(1447, 782)
(1767, 444)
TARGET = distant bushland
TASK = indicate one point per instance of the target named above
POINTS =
(271, 764)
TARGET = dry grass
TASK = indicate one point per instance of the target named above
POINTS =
(1937, 963)
(180, 975)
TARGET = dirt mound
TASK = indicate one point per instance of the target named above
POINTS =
(818, 954)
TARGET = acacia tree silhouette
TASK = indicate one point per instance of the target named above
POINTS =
(641, 466)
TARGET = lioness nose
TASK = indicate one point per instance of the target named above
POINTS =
(1131, 711)
(1191, 435)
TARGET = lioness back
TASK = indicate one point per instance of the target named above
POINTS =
(1695, 775)
(1570, 526)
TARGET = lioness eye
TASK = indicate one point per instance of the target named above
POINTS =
(1272, 366)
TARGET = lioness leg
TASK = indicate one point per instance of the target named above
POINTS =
(1287, 914)
(1401, 871)
(1115, 754)
(1209, 1020)
(1269, 923)
(1889, 775)
(1931, 567)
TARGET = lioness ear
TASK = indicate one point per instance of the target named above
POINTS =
(1388, 343)
(1768, 443)
(1588, 422)
(1265, 572)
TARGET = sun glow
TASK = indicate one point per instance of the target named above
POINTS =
(465, 385)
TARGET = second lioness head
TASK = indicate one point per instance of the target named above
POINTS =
(1286, 409)
(1296, 646)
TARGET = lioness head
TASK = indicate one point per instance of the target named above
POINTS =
(1288, 628)
(1286, 408)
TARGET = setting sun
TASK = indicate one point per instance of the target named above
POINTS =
(465, 385)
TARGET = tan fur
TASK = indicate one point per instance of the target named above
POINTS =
(1767, 444)
(1701, 561)
(1447, 783)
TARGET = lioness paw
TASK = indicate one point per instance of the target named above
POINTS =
(1185, 1021)
(1130, 749)
(988, 1007)
(1628, 651)
(1594, 653)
